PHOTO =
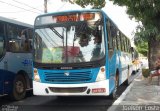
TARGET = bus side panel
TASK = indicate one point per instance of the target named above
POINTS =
(10, 65)
(2, 74)
(8, 82)
(112, 70)
(6, 85)
(119, 66)
(23, 62)
(124, 67)
(111, 84)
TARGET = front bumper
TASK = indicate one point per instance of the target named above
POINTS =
(100, 88)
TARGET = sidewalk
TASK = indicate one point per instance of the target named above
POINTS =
(138, 96)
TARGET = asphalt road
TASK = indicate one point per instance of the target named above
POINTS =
(51, 103)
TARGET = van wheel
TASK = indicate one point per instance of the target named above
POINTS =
(19, 88)
(114, 95)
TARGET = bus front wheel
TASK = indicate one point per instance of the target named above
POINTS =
(114, 95)
(19, 88)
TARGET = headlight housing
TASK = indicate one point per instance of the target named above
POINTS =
(36, 75)
(101, 74)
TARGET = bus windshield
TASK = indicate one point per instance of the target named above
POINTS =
(75, 42)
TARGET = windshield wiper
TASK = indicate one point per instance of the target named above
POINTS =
(55, 31)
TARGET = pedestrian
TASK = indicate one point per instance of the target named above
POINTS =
(155, 72)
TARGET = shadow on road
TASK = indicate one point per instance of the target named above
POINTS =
(52, 103)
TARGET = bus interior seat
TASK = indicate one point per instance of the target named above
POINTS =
(14, 46)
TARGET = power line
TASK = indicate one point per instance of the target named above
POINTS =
(13, 12)
(60, 6)
(19, 7)
(27, 5)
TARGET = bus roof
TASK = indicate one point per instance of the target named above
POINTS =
(77, 11)
(15, 22)
(83, 10)
(71, 11)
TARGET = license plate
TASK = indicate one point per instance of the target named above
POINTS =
(98, 90)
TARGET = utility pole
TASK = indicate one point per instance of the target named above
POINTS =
(45, 6)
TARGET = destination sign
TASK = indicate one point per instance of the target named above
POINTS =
(74, 17)
(68, 17)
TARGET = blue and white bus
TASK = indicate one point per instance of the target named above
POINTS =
(15, 58)
(79, 53)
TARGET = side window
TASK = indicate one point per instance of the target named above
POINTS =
(13, 37)
(111, 33)
(124, 41)
(30, 34)
(110, 42)
(121, 42)
(27, 44)
(1, 39)
(126, 48)
(118, 40)
(18, 38)
(113, 36)
(127, 45)
(30, 38)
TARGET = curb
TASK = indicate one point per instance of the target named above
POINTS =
(123, 95)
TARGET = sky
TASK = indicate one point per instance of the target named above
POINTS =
(26, 11)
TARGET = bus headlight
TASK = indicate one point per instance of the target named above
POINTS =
(36, 75)
(101, 74)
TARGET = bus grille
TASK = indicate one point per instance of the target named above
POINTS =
(68, 90)
(56, 77)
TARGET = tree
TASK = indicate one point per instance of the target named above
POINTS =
(142, 47)
(148, 13)
(96, 4)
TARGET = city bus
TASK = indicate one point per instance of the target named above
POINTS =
(79, 53)
(15, 58)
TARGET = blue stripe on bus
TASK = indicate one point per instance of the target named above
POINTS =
(68, 76)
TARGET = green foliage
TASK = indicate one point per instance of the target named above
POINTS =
(145, 11)
(141, 41)
(96, 4)
(145, 72)
(142, 48)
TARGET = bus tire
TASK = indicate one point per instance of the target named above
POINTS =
(114, 95)
(19, 88)
(133, 72)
